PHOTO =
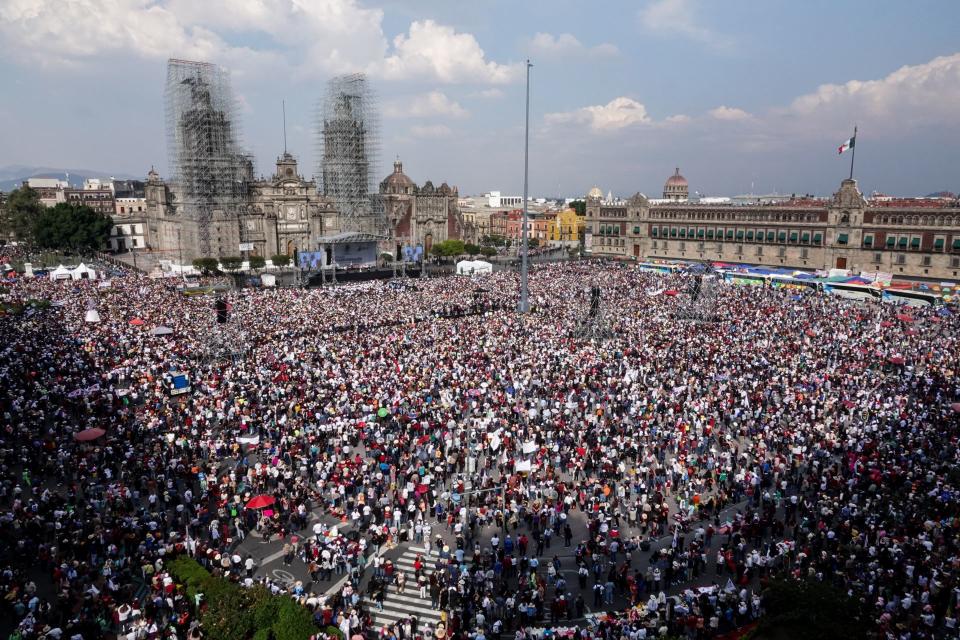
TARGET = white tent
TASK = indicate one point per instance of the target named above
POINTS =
(83, 272)
(268, 280)
(61, 273)
(473, 267)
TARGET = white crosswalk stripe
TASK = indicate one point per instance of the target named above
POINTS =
(398, 606)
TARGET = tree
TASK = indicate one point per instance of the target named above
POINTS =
(488, 251)
(579, 206)
(448, 248)
(472, 249)
(280, 260)
(23, 207)
(206, 266)
(257, 262)
(71, 228)
(231, 263)
(533, 242)
(493, 240)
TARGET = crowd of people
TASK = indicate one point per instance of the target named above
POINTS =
(664, 472)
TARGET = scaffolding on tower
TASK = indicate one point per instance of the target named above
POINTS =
(203, 143)
(348, 146)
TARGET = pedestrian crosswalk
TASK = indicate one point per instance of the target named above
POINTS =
(399, 606)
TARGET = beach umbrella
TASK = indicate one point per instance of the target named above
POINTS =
(260, 502)
(670, 292)
(896, 360)
(382, 412)
(137, 322)
(160, 331)
(88, 434)
(903, 317)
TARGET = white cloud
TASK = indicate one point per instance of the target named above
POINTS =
(923, 94)
(729, 113)
(54, 33)
(488, 94)
(432, 104)
(431, 131)
(550, 46)
(309, 39)
(678, 17)
(617, 114)
(437, 51)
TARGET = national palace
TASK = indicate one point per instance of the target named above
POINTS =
(903, 236)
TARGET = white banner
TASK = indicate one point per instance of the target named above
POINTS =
(246, 246)
(523, 466)
(254, 440)
(529, 447)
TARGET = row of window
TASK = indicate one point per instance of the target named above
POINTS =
(910, 242)
(702, 246)
(738, 215)
(928, 220)
(750, 235)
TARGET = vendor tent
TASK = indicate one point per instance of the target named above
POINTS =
(268, 280)
(61, 273)
(473, 267)
(83, 272)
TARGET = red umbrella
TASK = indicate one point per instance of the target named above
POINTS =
(904, 317)
(886, 323)
(896, 360)
(670, 292)
(136, 322)
(88, 434)
(811, 332)
(956, 407)
(260, 502)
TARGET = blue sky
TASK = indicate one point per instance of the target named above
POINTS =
(735, 93)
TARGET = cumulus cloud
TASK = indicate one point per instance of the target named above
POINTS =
(49, 32)
(679, 17)
(432, 104)
(916, 94)
(437, 51)
(431, 131)
(488, 94)
(551, 46)
(309, 39)
(617, 114)
(729, 113)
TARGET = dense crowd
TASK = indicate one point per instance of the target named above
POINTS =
(680, 464)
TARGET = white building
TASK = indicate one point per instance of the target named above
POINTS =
(497, 201)
(126, 235)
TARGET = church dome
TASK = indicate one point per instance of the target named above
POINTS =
(397, 182)
(595, 193)
(676, 180)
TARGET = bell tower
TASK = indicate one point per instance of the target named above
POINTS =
(286, 167)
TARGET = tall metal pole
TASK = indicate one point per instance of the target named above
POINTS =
(854, 150)
(524, 291)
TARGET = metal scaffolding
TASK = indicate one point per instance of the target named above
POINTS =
(348, 145)
(206, 162)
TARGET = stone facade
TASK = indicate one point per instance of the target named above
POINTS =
(907, 237)
(281, 214)
(420, 215)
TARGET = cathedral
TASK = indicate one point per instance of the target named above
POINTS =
(284, 214)
(276, 215)
(419, 216)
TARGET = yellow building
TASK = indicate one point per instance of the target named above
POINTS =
(566, 227)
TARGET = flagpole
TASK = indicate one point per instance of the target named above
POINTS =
(854, 150)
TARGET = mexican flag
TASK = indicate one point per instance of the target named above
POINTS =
(849, 144)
